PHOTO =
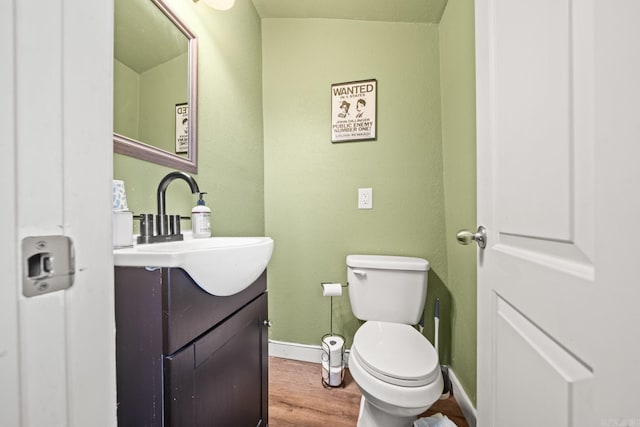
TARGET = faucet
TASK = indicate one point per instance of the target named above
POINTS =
(164, 232)
(162, 221)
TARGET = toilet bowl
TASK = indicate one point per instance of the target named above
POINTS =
(397, 371)
(395, 366)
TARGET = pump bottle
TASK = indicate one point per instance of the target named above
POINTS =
(201, 219)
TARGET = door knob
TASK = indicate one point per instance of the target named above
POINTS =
(465, 237)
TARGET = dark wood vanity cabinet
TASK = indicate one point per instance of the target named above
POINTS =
(188, 358)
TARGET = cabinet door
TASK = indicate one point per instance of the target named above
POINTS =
(223, 382)
(139, 362)
(179, 388)
(189, 311)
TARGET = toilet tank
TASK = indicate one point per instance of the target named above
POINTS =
(387, 288)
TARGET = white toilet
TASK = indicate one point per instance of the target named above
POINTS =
(394, 365)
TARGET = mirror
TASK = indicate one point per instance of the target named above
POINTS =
(155, 85)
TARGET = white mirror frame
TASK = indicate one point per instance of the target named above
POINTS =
(140, 150)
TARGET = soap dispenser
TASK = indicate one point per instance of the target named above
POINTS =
(201, 219)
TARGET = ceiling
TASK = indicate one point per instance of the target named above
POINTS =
(157, 40)
(425, 11)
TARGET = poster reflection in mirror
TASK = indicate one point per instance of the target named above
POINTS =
(182, 128)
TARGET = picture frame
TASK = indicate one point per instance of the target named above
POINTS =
(353, 111)
(182, 128)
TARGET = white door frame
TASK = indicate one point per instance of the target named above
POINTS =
(57, 350)
(9, 357)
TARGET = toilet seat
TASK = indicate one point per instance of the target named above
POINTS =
(396, 354)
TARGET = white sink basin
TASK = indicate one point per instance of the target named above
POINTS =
(221, 266)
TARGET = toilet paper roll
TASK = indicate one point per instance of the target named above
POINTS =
(119, 196)
(332, 347)
(331, 375)
(331, 289)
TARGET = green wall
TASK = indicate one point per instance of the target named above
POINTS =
(457, 65)
(311, 184)
(144, 104)
(302, 189)
(230, 128)
(161, 88)
(126, 100)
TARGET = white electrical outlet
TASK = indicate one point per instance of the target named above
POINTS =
(365, 198)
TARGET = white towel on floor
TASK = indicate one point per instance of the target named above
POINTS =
(437, 420)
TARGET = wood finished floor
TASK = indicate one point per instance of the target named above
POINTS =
(298, 399)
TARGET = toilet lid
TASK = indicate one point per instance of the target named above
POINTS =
(395, 353)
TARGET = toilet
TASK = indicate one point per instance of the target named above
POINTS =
(394, 365)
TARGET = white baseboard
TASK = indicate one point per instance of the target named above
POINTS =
(467, 408)
(295, 351)
(302, 352)
(313, 353)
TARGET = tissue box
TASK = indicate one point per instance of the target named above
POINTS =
(122, 229)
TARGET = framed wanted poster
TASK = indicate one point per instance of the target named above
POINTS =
(353, 111)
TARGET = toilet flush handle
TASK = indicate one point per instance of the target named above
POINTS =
(360, 273)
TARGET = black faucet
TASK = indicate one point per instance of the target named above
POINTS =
(164, 233)
(162, 219)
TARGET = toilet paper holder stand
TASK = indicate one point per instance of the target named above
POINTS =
(328, 357)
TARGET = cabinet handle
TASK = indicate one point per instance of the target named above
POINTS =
(267, 323)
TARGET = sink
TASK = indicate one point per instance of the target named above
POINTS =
(221, 266)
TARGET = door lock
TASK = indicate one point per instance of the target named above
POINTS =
(48, 264)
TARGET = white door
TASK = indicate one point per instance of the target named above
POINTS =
(57, 350)
(558, 121)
